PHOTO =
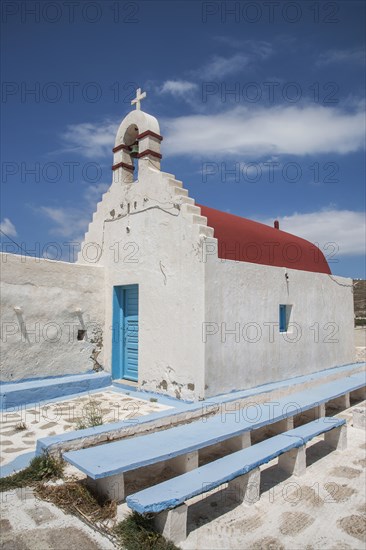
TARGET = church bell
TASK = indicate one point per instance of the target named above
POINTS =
(134, 149)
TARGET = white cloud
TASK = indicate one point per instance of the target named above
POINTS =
(220, 67)
(71, 222)
(266, 131)
(345, 228)
(92, 140)
(93, 194)
(8, 228)
(178, 87)
(250, 51)
(356, 55)
(68, 222)
(259, 48)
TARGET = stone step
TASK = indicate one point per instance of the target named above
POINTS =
(166, 175)
(182, 192)
(187, 200)
(192, 209)
(206, 231)
(175, 183)
(43, 389)
(201, 220)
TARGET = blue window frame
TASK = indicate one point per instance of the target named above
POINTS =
(284, 317)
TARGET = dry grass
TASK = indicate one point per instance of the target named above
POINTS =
(137, 532)
(75, 498)
(41, 468)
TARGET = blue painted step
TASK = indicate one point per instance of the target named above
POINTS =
(43, 389)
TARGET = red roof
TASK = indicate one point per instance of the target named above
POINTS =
(248, 241)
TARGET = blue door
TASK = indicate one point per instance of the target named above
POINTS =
(125, 332)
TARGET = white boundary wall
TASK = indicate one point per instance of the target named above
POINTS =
(39, 337)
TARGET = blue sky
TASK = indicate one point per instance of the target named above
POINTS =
(260, 105)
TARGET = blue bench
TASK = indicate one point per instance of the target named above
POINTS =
(239, 469)
(106, 464)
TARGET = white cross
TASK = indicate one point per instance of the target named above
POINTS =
(137, 100)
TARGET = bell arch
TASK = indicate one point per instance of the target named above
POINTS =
(138, 136)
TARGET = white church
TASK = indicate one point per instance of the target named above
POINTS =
(171, 296)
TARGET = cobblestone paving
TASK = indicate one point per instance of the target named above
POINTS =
(22, 426)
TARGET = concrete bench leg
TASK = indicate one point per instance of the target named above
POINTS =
(360, 394)
(112, 487)
(315, 412)
(246, 488)
(281, 426)
(340, 403)
(172, 524)
(337, 438)
(359, 418)
(293, 462)
(185, 463)
(237, 443)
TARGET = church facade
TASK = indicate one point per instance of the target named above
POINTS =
(173, 296)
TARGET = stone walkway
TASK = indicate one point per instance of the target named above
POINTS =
(20, 428)
(30, 524)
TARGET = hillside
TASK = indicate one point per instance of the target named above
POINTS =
(359, 298)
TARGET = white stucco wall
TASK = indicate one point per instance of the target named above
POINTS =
(243, 298)
(148, 234)
(40, 338)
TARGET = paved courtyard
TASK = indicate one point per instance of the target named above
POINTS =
(20, 428)
(30, 524)
(324, 509)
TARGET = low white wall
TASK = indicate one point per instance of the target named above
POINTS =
(244, 298)
(40, 339)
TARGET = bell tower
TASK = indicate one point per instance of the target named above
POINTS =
(138, 137)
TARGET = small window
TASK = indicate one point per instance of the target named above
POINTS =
(285, 314)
